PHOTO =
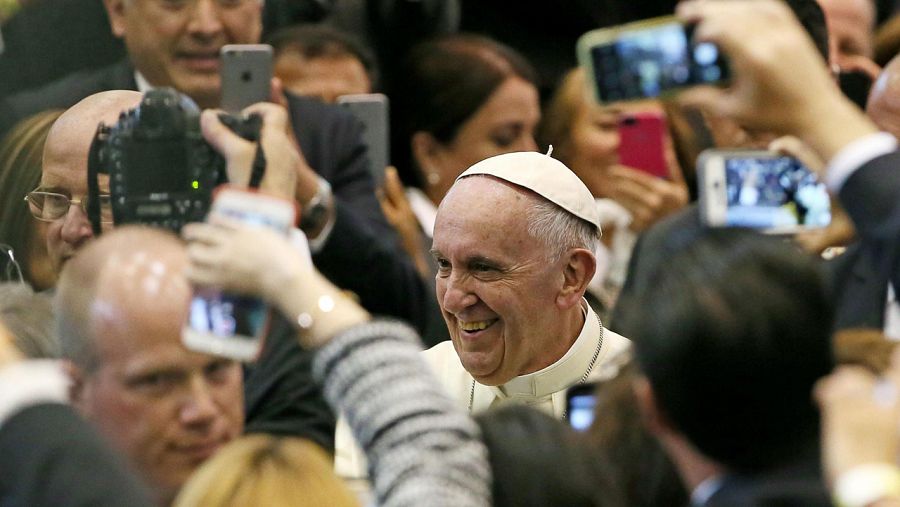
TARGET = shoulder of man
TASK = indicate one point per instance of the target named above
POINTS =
(65, 92)
(329, 136)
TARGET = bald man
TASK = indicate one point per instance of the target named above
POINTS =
(281, 397)
(121, 303)
(883, 106)
(64, 176)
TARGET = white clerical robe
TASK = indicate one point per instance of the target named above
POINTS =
(544, 389)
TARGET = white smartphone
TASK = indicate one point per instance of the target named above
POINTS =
(373, 110)
(226, 324)
(761, 190)
(246, 74)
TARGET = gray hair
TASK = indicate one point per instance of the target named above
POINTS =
(559, 229)
(29, 317)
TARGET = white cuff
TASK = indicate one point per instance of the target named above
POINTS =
(855, 155)
(865, 484)
(30, 383)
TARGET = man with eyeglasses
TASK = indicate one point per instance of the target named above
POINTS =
(176, 43)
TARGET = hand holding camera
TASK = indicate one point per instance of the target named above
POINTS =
(281, 155)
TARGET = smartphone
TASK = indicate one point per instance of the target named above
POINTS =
(246, 73)
(642, 142)
(580, 402)
(650, 58)
(373, 110)
(761, 190)
(226, 324)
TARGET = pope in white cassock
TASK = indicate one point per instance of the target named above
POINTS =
(513, 241)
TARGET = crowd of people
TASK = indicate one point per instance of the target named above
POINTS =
(426, 334)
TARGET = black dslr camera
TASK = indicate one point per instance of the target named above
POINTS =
(161, 170)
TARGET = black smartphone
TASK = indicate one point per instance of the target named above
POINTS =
(651, 58)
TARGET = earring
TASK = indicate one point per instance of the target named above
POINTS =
(433, 177)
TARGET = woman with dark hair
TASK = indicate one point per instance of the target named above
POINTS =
(463, 98)
(21, 152)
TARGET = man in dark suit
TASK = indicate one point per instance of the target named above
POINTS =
(779, 85)
(176, 43)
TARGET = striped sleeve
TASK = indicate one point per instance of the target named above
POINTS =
(422, 449)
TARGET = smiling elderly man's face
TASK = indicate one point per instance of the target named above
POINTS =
(496, 284)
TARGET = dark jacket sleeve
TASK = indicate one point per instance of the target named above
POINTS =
(51, 457)
(362, 253)
(871, 196)
(280, 397)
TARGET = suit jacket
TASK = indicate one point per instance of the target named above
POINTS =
(860, 277)
(797, 484)
(51, 457)
(361, 253)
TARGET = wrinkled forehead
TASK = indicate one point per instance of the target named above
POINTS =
(483, 206)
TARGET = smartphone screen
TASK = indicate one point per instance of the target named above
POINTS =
(581, 409)
(228, 324)
(648, 62)
(774, 193)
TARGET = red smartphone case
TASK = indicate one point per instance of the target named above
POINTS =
(642, 143)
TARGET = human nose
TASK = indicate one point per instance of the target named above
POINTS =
(457, 294)
(199, 409)
(76, 227)
(205, 20)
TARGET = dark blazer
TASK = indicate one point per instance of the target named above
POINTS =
(361, 254)
(51, 457)
(860, 277)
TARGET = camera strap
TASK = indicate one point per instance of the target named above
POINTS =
(93, 204)
(259, 166)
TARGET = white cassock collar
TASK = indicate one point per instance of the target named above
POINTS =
(551, 382)
(568, 370)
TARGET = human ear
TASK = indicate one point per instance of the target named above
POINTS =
(426, 151)
(116, 11)
(577, 274)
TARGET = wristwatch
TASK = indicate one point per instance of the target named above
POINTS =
(315, 213)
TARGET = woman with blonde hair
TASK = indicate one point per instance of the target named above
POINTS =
(267, 470)
(21, 153)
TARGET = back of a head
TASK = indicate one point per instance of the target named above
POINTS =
(646, 474)
(883, 106)
(739, 335)
(538, 461)
(266, 470)
(108, 263)
(445, 81)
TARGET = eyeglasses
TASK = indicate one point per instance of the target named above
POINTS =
(11, 270)
(51, 206)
